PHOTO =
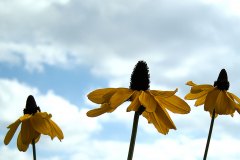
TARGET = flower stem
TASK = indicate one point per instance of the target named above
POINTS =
(134, 132)
(34, 150)
(209, 135)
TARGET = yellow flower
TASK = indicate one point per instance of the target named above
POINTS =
(32, 126)
(153, 103)
(215, 97)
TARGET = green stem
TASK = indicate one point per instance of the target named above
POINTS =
(34, 150)
(134, 132)
(209, 135)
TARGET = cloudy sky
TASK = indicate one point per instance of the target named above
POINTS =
(60, 50)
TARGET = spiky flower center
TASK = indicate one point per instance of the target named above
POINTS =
(140, 77)
(31, 106)
(222, 82)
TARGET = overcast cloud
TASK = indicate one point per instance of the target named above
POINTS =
(180, 41)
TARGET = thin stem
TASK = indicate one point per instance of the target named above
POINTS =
(134, 131)
(34, 150)
(133, 136)
(209, 135)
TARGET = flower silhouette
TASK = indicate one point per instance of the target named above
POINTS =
(33, 124)
(215, 97)
(152, 104)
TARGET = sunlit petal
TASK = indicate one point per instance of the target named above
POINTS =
(40, 123)
(211, 100)
(200, 100)
(55, 130)
(99, 111)
(191, 96)
(200, 88)
(158, 123)
(100, 96)
(163, 116)
(12, 129)
(163, 94)
(27, 132)
(20, 145)
(174, 104)
(190, 83)
(223, 104)
(147, 100)
(120, 96)
(135, 104)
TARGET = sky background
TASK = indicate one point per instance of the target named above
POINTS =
(60, 50)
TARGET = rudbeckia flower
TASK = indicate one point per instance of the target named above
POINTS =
(152, 104)
(33, 124)
(215, 97)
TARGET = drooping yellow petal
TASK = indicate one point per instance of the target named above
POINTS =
(190, 83)
(27, 132)
(100, 96)
(120, 96)
(25, 117)
(55, 130)
(99, 111)
(12, 129)
(146, 115)
(163, 94)
(163, 116)
(39, 122)
(148, 101)
(158, 123)
(234, 97)
(199, 88)
(223, 104)
(200, 100)
(174, 104)
(37, 137)
(211, 100)
(191, 96)
(135, 103)
(20, 145)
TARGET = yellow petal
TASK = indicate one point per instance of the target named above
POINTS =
(163, 116)
(100, 96)
(200, 88)
(191, 96)
(147, 116)
(55, 130)
(148, 101)
(190, 83)
(211, 100)
(120, 96)
(163, 94)
(39, 122)
(158, 123)
(234, 97)
(20, 145)
(135, 104)
(99, 111)
(12, 129)
(200, 100)
(25, 117)
(37, 137)
(224, 105)
(174, 104)
(27, 132)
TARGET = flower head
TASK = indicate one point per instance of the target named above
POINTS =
(33, 124)
(152, 104)
(215, 97)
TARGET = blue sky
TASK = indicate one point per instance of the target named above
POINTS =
(60, 50)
